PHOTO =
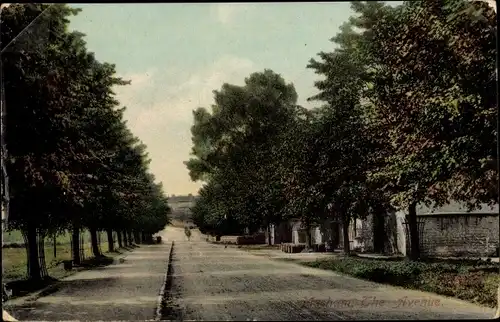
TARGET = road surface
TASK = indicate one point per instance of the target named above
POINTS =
(211, 282)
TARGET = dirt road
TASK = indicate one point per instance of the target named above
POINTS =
(211, 282)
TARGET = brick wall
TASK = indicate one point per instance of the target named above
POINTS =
(460, 235)
(245, 240)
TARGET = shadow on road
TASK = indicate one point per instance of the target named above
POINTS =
(25, 287)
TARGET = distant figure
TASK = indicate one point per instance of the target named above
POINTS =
(187, 232)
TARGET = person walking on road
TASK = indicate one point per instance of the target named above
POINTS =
(187, 232)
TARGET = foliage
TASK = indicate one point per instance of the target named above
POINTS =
(72, 162)
(407, 90)
(235, 151)
(438, 102)
(345, 149)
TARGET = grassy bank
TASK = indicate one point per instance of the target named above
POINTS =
(14, 260)
(474, 281)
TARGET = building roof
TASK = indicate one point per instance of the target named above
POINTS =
(456, 208)
(182, 198)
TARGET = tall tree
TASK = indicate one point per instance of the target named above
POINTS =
(234, 147)
(345, 149)
(37, 121)
(435, 96)
(73, 162)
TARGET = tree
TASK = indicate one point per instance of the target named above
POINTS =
(438, 103)
(233, 149)
(73, 162)
(33, 68)
(344, 149)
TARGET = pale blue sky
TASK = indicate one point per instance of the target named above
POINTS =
(177, 54)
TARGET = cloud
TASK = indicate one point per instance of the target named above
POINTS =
(161, 114)
(227, 13)
(157, 104)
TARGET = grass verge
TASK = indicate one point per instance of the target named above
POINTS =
(470, 280)
(23, 287)
(14, 260)
(14, 264)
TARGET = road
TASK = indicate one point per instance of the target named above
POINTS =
(210, 282)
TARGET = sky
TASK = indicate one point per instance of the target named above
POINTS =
(176, 54)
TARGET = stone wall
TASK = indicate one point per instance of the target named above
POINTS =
(460, 235)
(244, 240)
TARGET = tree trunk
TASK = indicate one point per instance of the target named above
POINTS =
(126, 242)
(335, 235)
(269, 241)
(129, 237)
(137, 237)
(143, 237)
(54, 241)
(41, 254)
(345, 232)
(331, 232)
(119, 237)
(379, 234)
(308, 237)
(34, 269)
(94, 242)
(413, 228)
(111, 242)
(75, 240)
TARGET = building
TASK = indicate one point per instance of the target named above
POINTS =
(181, 207)
(449, 231)
(182, 203)
(329, 232)
(452, 230)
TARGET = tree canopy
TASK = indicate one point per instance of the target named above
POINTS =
(407, 115)
(72, 162)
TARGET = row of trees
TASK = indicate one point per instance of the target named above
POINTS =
(72, 163)
(408, 116)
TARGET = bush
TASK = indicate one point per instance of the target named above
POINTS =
(395, 273)
(477, 286)
(472, 283)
